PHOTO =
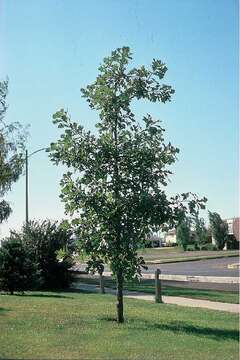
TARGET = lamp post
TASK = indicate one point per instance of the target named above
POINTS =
(26, 168)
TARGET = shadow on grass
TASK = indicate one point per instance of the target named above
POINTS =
(179, 328)
(40, 294)
(185, 328)
(3, 310)
(46, 296)
(108, 318)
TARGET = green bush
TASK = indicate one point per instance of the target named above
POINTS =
(209, 247)
(44, 240)
(191, 247)
(17, 271)
(37, 257)
(232, 243)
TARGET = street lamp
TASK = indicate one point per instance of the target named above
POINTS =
(26, 167)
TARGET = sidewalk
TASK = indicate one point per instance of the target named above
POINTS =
(176, 300)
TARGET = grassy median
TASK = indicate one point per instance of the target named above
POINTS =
(166, 255)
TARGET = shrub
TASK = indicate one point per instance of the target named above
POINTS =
(44, 240)
(17, 271)
(232, 243)
(209, 247)
(191, 247)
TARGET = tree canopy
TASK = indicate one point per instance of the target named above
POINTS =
(219, 229)
(12, 144)
(201, 233)
(115, 187)
(183, 233)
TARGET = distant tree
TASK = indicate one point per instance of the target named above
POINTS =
(219, 229)
(201, 233)
(183, 234)
(12, 144)
(17, 271)
(114, 190)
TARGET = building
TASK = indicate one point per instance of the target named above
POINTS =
(156, 239)
(234, 227)
(233, 233)
(170, 237)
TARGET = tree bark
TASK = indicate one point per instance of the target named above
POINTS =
(116, 182)
(120, 317)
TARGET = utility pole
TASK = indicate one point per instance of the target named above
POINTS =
(26, 169)
(26, 165)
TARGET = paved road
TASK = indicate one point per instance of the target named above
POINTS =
(211, 267)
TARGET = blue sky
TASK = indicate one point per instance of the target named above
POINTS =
(50, 49)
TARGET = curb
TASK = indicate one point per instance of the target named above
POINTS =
(171, 261)
(172, 300)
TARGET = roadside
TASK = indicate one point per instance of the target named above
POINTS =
(154, 256)
(185, 259)
(207, 267)
(172, 255)
(214, 291)
(146, 286)
(181, 301)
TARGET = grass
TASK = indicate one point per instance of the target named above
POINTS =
(175, 254)
(81, 326)
(147, 286)
(166, 255)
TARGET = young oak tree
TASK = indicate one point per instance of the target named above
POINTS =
(12, 143)
(114, 189)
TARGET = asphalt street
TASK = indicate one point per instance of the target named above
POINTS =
(211, 267)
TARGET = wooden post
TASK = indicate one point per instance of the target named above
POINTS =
(158, 290)
(101, 283)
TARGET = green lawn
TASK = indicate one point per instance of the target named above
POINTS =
(81, 326)
(147, 286)
(175, 254)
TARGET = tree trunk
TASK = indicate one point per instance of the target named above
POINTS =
(120, 317)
